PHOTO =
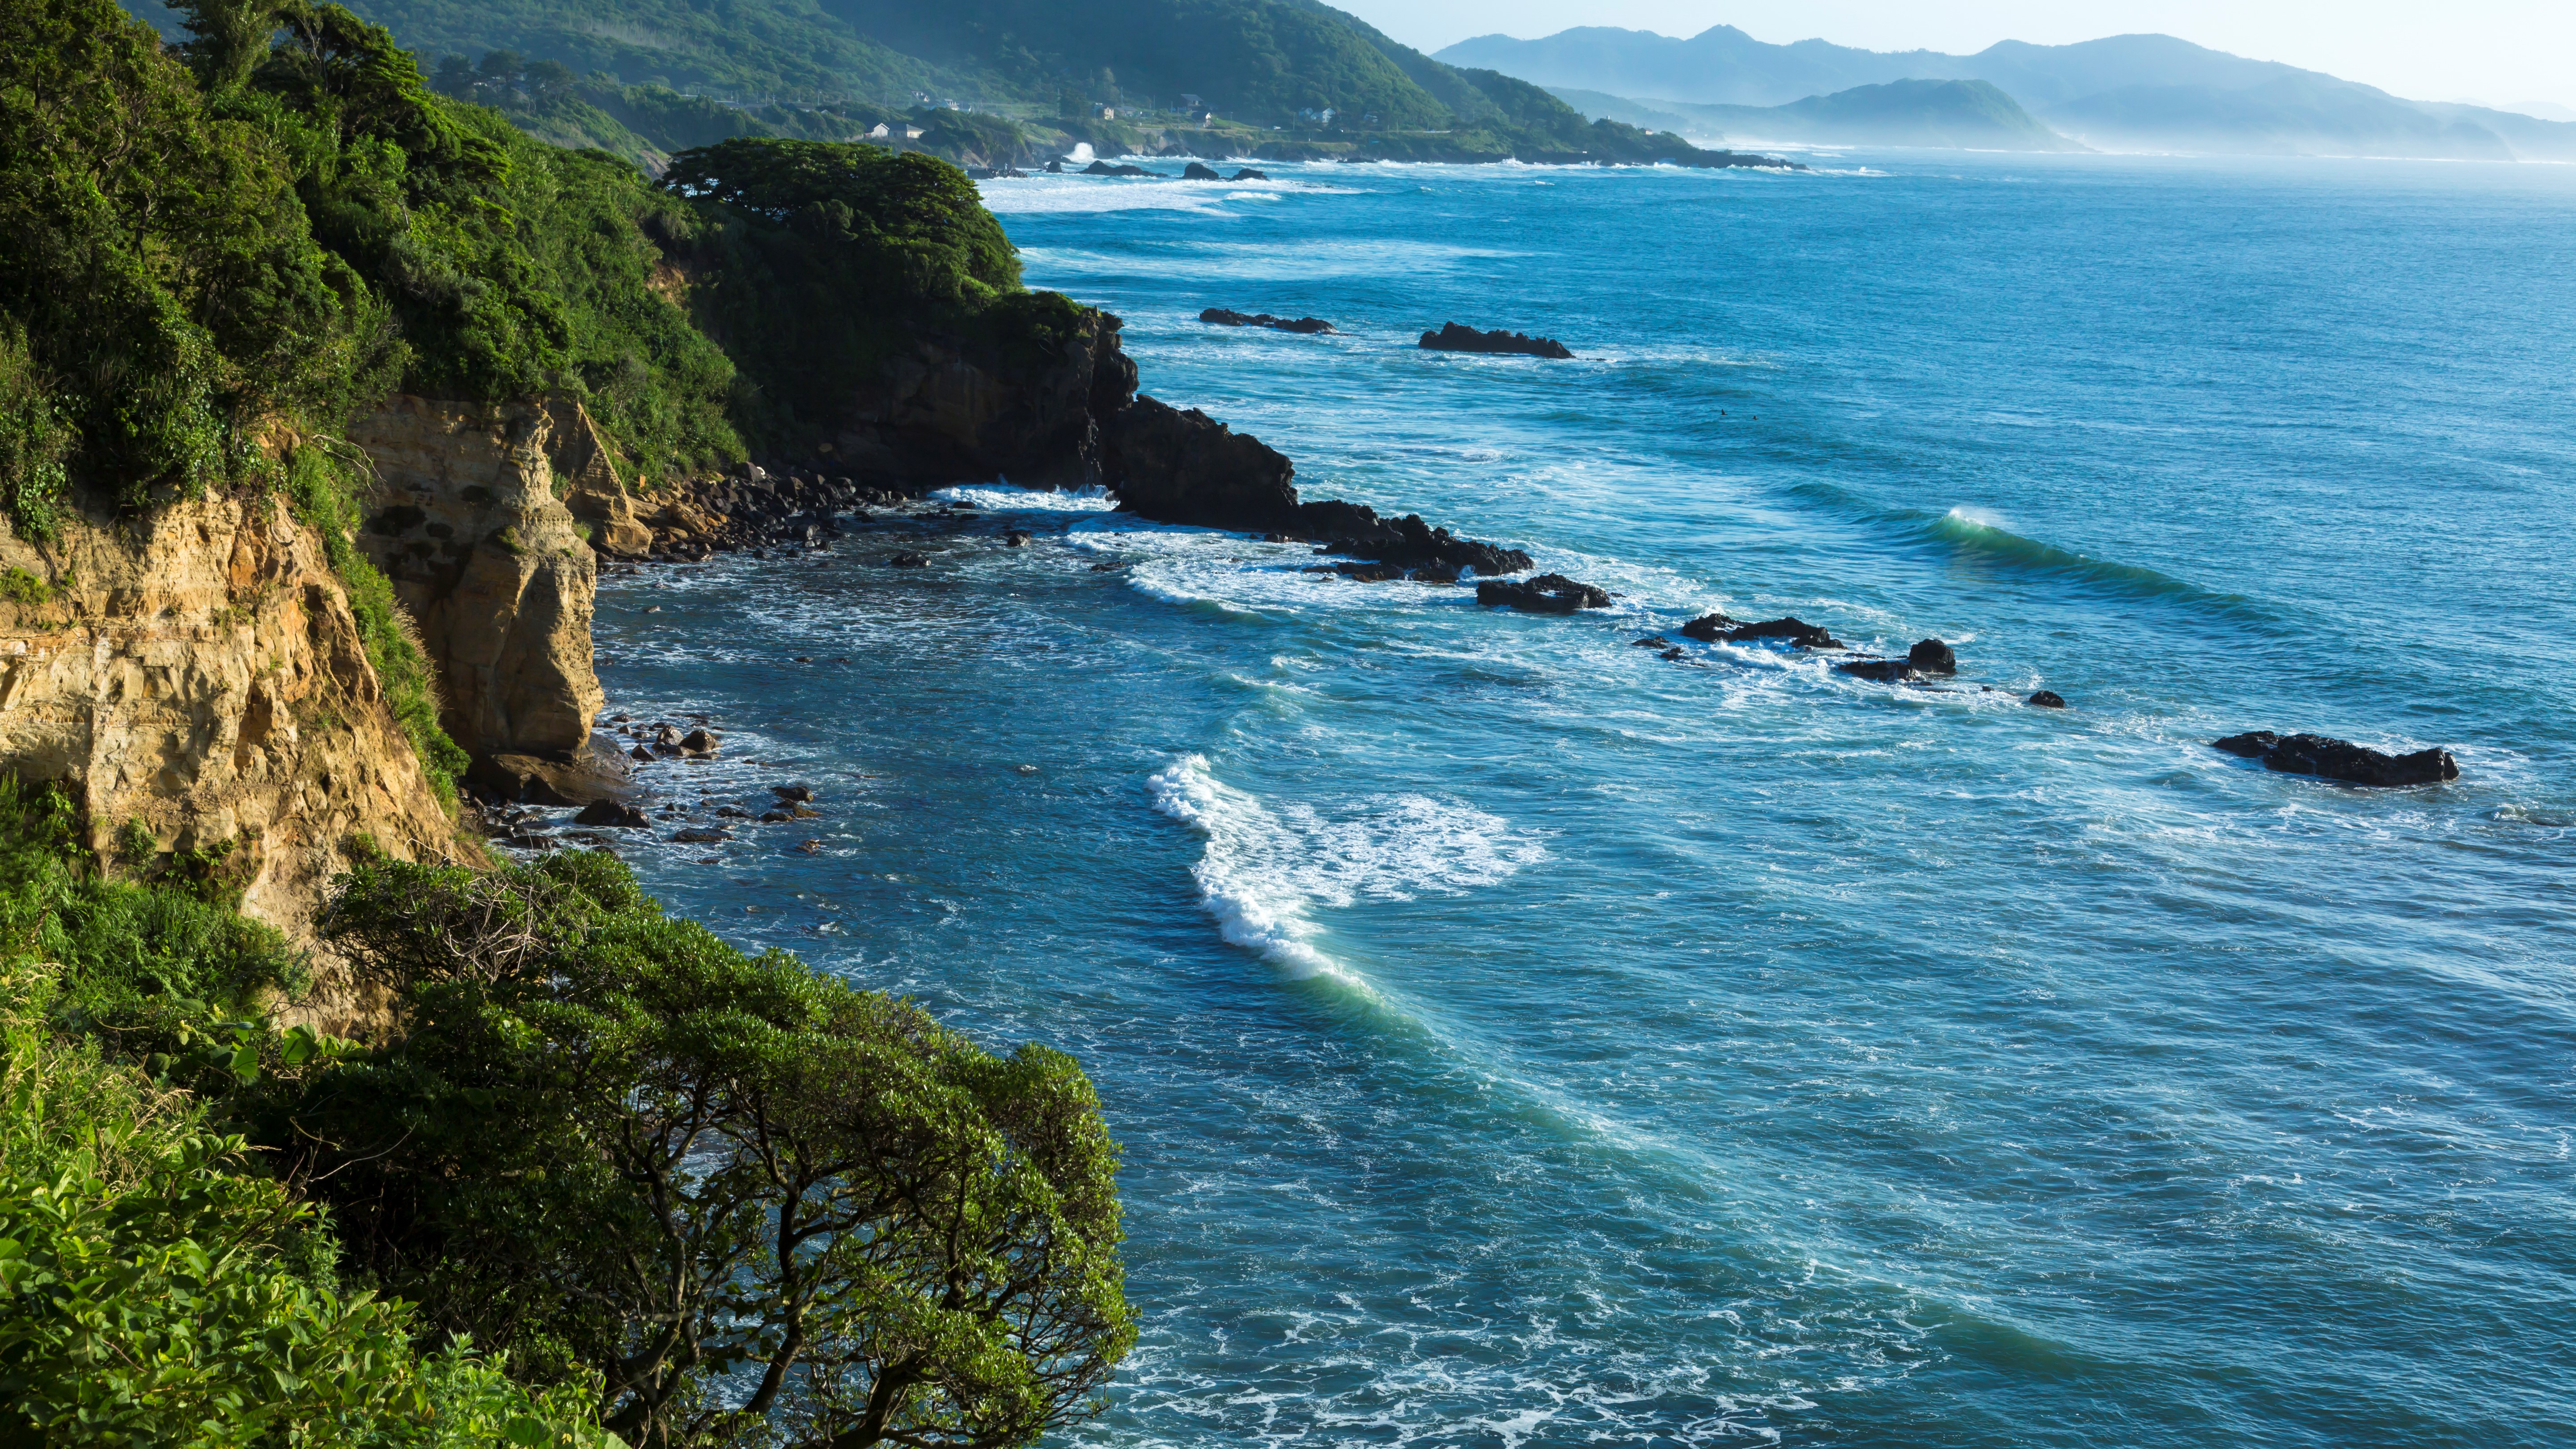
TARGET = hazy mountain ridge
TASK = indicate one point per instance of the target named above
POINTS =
(1954, 114)
(2126, 92)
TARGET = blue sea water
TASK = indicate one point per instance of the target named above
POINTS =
(1518, 1039)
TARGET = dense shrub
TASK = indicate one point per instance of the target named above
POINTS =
(756, 1202)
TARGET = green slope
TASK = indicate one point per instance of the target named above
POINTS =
(643, 78)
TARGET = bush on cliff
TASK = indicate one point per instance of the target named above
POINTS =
(754, 1201)
(156, 1287)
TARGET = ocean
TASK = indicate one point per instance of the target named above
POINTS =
(1518, 1038)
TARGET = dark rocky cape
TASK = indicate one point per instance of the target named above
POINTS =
(1453, 338)
(956, 409)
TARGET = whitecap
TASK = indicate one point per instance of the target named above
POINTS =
(1262, 869)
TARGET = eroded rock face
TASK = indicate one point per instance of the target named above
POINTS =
(1177, 466)
(197, 669)
(464, 519)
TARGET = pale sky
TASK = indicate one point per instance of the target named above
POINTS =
(2496, 51)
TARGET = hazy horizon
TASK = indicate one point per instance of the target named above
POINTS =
(2503, 53)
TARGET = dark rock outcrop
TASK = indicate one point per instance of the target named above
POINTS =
(1709, 628)
(611, 812)
(1798, 632)
(1103, 168)
(1199, 171)
(2047, 699)
(1227, 317)
(1545, 594)
(908, 561)
(1182, 466)
(1248, 174)
(2328, 758)
(1885, 671)
(1933, 657)
(1453, 338)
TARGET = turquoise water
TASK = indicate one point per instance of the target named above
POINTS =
(1518, 1039)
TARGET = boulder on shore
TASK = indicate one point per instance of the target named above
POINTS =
(529, 780)
(611, 812)
(2328, 758)
(1545, 594)
(1453, 338)
(1228, 317)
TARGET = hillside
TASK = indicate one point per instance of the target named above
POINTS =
(2128, 92)
(1284, 78)
(1956, 115)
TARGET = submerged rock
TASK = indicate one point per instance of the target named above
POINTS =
(2047, 699)
(1227, 317)
(1453, 338)
(2328, 758)
(908, 561)
(1369, 573)
(1545, 594)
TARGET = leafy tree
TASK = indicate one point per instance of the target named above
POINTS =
(753, 1200)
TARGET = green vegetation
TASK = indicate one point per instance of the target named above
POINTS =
(609, 73)
(613, 1179)
(798, 227)
(156, 1286)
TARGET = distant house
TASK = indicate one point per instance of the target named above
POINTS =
(1325, 116)
(1100, 112)
(879, 132)
(1192, 103)
(912, 133)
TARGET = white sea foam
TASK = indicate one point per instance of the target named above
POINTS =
(1006, 498)
(1263, 869)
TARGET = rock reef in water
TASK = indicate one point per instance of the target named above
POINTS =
(1103, 168)
(1453, 338)
(1227, 317)
(1717, 628)
(2328, 758)
(1545, 594)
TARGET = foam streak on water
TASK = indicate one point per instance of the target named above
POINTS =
(1518, 1038)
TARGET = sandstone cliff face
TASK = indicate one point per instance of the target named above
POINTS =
(198, 670)
(949, 412)
(592, 491)
(464, 519)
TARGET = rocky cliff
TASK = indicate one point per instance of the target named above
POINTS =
(463, 516)
(197, 670)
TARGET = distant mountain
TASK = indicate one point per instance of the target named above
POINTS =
(1960, 115)
(2126, 92)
